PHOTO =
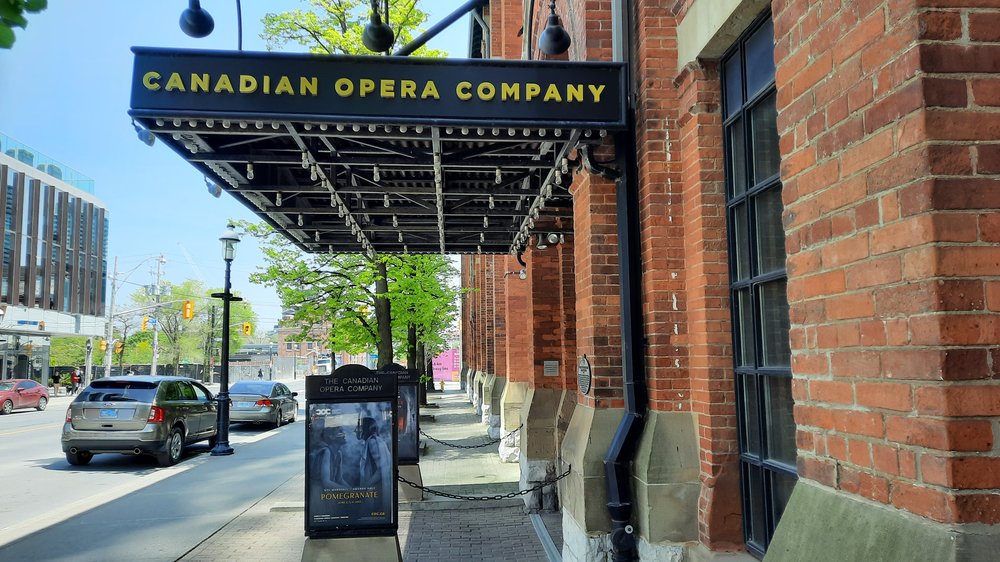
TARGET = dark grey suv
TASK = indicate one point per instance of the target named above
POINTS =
(138, 415)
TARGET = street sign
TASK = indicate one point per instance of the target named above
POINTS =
(27, 322)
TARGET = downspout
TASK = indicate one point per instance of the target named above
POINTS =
(622, 449)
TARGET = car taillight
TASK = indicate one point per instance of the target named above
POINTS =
(155, 414)
(69, 414)
(264, 402)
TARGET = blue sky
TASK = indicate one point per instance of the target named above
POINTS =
(64, 91)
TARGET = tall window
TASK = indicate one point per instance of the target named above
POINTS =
(757, 284)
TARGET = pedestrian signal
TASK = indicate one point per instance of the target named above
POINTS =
(188, 310)
(247, 329)
(145, 323)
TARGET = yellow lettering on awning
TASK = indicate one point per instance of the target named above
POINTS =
(366, 87)
(151, 80)
(462, 91)
(552, 93)
(510, 91)
(174, 83)
(407, 89)
(248, 84)
(223, 84)
(199, 82)
(430, 91)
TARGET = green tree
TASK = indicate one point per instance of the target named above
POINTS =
(70, 350)
(12, 15)
(334, 27)
(180, 341)
(348, 297)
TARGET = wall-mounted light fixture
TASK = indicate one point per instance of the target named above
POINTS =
(378, 36)
(195, 21)
(522, 275)
(554, 40)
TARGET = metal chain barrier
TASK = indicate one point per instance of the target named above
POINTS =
(457, 446)
(485, 498)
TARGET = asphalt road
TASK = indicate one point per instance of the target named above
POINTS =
(128, 508)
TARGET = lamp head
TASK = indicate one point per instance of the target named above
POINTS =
(541, 242)
(229, 240)
(552, 238)
(377, 36)
(554, 39)
(522, 275)
(196, 22)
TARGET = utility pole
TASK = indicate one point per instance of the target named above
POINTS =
(108, 327)
(156, 325)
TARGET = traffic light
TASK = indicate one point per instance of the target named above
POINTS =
(247, 329)
(145, 323)
(188, 310)
(103, 345)
(119, 347)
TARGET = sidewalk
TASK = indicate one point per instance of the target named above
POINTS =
(433, 529)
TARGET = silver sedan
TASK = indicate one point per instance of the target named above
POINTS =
(262, 402)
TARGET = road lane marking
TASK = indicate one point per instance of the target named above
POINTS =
(32, 428)
(20, 530)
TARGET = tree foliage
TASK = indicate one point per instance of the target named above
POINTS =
(12, 15)
(335, 295)
(179, 340)
(334, 27)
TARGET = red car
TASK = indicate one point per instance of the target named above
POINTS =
(22, 393)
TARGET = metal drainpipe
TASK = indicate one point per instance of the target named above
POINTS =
(623, 447)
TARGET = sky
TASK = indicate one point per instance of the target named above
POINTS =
(64, 91)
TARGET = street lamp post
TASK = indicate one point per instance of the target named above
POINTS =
(229, 240)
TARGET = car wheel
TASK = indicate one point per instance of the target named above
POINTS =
(7, 408)
(79, 458)
(42, 403)
(277, 418)
(172, 448)
(295, 413)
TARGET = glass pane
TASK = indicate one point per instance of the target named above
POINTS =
(760, 58)
(741, 248)
(751, 415)
(780, 426)
(770, 232)
(737, 176)
(754, 486)
(781, 490)
(733, 84)
(744, 332)
(766, 158)
(774, 324)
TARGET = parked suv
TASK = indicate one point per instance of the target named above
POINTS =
(138, 415)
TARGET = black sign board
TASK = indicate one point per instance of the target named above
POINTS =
(407, 412)
(374, 89)
(351, 453)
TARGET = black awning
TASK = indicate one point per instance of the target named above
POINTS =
(335, 172)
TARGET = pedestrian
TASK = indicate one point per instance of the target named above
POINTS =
(55, 383)
(260, 374)
(74, 378)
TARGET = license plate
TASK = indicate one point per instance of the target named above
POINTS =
(244, 404)
(105, 414)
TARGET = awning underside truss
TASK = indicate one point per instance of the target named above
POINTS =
(386, 188)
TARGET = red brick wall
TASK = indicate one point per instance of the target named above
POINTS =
(545, 339)
(598, 332)
(489, 314)
(518, 296)
(705, 275)
(567, 311)
(888, 116)
(499, 315)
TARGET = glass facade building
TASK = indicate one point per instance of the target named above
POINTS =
(53, 274)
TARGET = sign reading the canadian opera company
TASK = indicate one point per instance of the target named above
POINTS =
(351, 453)
(372, 89)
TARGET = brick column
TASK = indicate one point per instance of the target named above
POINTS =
(889, 121)
(708, 333)
(541, 404)
(598, 335)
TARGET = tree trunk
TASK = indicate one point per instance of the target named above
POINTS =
(430, 372)
(383, 316)
(420, 367)
(411, 346)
